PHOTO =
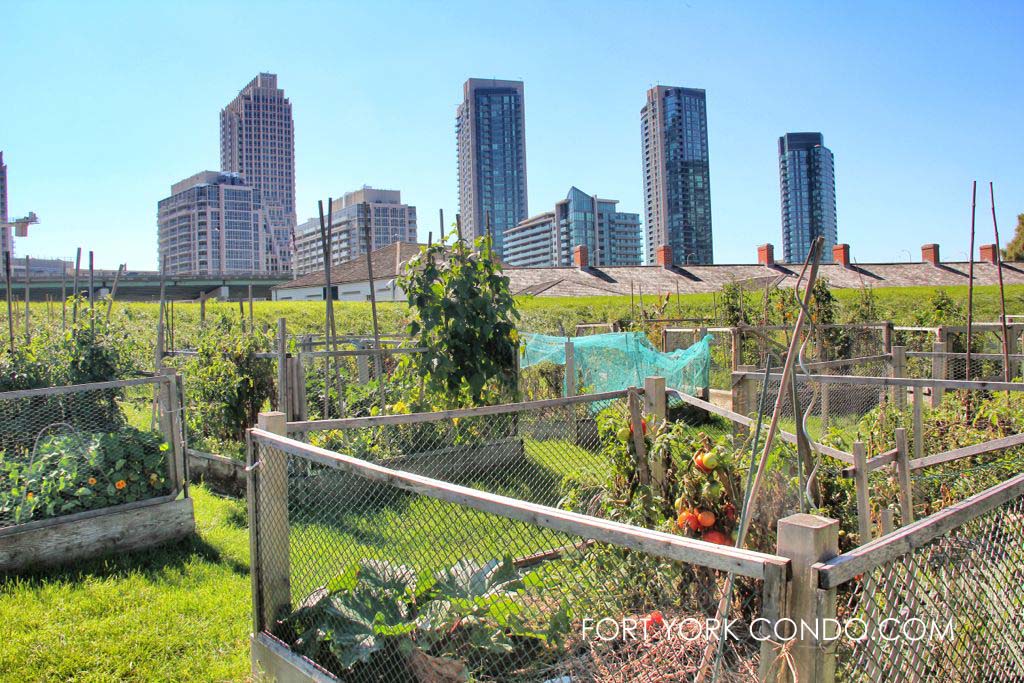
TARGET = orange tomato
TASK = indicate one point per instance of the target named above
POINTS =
(706, 518)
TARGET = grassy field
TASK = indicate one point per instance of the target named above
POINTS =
(177, 613)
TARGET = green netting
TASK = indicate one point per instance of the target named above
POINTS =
(615, 361)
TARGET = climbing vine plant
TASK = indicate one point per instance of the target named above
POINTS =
(465, 316)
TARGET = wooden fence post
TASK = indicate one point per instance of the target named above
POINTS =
(899, 369)
(860, 475)
(271, 561)
(636, 424)
(806, 540)
(887, 337)
(1012, 345)
(655, 404)
(903, 474)
(570, 369)
(918, 422)
(282, 365)
(362, 366)
(737, 349)
(170, 426)
(938, 371)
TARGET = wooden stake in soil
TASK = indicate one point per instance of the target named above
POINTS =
(440, 218)
(28, 298)
(92, 290)
(1002, 294)
(970, 292)
(10, 304)
(379, 357)
(113, 291)
(64, 299)
(74, 293)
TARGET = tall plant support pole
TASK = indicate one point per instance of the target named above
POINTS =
(1002, 294)
(10, 304)
(970, 292)
(440, 218)
(326, 237)
(458, 226)
(64, 299)
(379, 356)
(159, 353)
(28, 299)
(715, 644)
(74, 292)
(252, 323)
(92, 290)
(113, 291)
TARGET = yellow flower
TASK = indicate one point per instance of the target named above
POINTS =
(92, 481)
(30, 496)
(121, 483)
(400, 408)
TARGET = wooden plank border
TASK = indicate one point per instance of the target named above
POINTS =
(896, 381)
(745, 421)
(968, 451)
(77, 388)
(413, 418)
(843, 568)
(660, 544)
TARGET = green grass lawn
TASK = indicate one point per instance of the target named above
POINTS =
(177, 613)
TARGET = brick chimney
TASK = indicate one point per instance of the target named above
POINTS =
(766, 255)
(988, 253)
(580, 258)
(663, 256)
(841, 255)
(930, 254)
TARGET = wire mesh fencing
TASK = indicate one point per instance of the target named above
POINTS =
(527, 452)
(65, 450)
(947, 605)
(377, 574)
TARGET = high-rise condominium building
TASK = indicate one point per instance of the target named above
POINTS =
(807, 186)
(612, 238)
(388, 218)
(490, 127)
(6, 239)
(257, 139)
(213, 224)
(677, 184)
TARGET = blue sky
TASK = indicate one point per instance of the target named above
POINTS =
(107, 104)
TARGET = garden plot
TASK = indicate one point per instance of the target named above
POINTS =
(84, 472)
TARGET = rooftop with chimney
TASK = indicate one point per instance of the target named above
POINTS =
(582, 279)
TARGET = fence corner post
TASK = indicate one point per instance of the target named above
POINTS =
(860, 476)
(282, 365)
(903, 473)
(655, 402)
(570, 368)
(272, 559)
(887, 330)
(899, 369)
(938, 371)
(806, 540)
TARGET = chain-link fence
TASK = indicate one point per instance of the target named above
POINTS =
(943, 602)
(65, 450)
(378, 574)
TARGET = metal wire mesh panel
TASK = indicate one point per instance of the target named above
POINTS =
(950, 610)
(71, 449)
(526, 453)
(376, 579)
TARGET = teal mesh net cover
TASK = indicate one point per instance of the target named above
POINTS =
(615, 361)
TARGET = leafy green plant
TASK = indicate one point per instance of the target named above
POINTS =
(227, 384)
(465, 316)
(379, 621)
(74, 472)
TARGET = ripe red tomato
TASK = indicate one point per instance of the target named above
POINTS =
(698, 460)
(716, 537)
(706, 518)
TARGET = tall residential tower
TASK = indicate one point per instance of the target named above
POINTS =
(807, 185)
(382, 211)
(677, 185)
(257, 139)
(490, 127)
(612, 237)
